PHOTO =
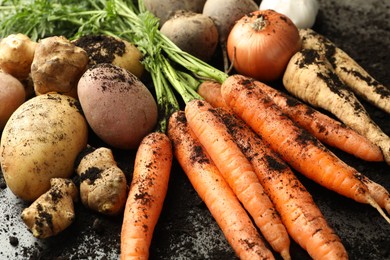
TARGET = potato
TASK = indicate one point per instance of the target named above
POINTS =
(12, 95)
(108, 49)
(40, 141)
(16, 55)
(117, 105)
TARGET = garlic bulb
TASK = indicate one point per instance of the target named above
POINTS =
(303, 13)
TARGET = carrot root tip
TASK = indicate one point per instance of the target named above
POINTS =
(373, 203)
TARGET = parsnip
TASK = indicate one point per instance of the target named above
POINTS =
(53, 211)
(310, 77)
(348, 70)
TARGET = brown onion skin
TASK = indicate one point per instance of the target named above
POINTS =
(263, 53)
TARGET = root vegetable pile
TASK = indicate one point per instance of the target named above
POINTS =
(234, 136)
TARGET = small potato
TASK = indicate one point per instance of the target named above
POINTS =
(40, 141)
(12, 95)
(108, 49)
(118, 106)
(16, 55)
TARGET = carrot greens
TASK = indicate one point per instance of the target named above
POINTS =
(169, 66)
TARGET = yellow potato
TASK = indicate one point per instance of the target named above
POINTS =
(16, 55)
(40, 141)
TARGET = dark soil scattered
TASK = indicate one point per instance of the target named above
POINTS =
(186, 229)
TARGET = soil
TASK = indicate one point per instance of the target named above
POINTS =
(186, 229)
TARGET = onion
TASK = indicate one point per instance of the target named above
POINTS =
(261, 44)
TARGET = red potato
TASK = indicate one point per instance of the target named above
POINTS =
(117, 105)
(12, 95)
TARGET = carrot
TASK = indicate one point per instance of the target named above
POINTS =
(215, 192)
(348, 70)
(295, 145)
(379, 193)
(301, 216)
(310, 77)
(238, 172)
(325, 128)
(146, 196)
(211, 92)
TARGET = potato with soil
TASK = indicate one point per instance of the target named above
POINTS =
(57, 66)
(200, 36)
(117, 105)
(40, 141)
(16, 55)
(12, 95)
(108, 49)
(164, 9)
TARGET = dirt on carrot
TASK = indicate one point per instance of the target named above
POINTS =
(310, 77)
(208, 182)
(296, 146)
(326, 129)
(146, 196)
(238, 173)
(301, 216)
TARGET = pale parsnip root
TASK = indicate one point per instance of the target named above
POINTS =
(310, 77)
(348, 70)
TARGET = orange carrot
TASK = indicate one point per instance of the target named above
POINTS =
(379, 193)
(146, 196)
(211, 92)
(238, 172)
(301, 216)
(296, 146)
(215, 192)
(325, 128)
